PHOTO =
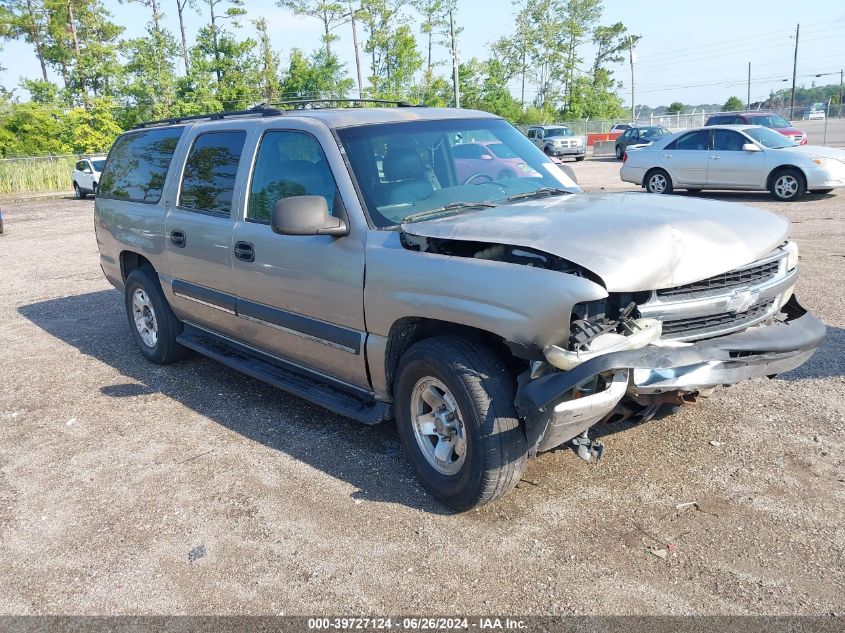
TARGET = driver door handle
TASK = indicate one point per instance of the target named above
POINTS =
(245, 251)
(177, 238)
(714, 157)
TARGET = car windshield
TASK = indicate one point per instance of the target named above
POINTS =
(405, 169)
(500, 150)
(99, 164)
(769, 138)
(653, 132)
(558, 131)
(768, 120)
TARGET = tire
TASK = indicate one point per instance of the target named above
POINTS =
(578, 159)
(547, 151)
(787, 185)
(619, 152)
(156, 338)
(658, 181)
(77, 191)
(96, 189)
(467, 379)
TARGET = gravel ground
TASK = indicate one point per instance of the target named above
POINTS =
(190, 489)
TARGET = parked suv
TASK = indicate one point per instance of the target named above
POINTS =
(86, 175)
(338, 255)
(558, 140)
(766, 119)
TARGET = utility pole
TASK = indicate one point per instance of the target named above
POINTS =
(794, 70)
(455, 63)
(840, 93)
(633, 59)
(748, 100)
(357, 55)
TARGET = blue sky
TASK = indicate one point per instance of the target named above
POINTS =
(693, 52)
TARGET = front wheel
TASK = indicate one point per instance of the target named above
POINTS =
(787, 185)
(78, 193)
(658, 181)
(455, 415)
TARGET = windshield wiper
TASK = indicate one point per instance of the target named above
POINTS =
(542, 191)
(452, 206)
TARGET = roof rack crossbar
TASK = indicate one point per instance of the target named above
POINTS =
(213, 116)
(304, 102)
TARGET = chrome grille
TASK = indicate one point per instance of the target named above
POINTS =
(698, 326)
(735, 278)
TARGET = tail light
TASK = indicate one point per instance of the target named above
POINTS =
(624, 157)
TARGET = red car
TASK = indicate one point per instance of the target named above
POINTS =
(493, 159)
(767, 119)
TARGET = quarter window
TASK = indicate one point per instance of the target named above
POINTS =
(288, 164)
(137, 165)
(209, 179)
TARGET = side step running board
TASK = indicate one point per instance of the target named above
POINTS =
(355, 404)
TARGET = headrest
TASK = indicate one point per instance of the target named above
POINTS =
(402, 164)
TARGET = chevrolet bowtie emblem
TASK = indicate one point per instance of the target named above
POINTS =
(741, 300)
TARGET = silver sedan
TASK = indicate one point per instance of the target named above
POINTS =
(743, 157)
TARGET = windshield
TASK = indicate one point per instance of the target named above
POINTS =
(769, 120)
(557, 131)
(653, 132)
(99, 164)
(500, 150)
(769, 138)
(407, 168)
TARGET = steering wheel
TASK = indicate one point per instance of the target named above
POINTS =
(478, 174)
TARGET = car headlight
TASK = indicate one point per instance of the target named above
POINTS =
(791, 256)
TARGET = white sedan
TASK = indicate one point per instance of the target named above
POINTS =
(743, 157)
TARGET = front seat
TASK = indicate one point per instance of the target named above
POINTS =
(405, 175)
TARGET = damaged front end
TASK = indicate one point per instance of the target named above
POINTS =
(667, 346)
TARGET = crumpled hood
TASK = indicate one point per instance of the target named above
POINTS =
(633, 241)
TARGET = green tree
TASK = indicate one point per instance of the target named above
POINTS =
(210, 36)
(150, 75)
(320, 76)
(733, 104)
(269, 63)
(92, 129)
(26, 19)
(676, 107)
(394, 58)
(329, 12)
(435, 23)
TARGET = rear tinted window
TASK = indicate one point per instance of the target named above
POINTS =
(137, 165)
(209, 178)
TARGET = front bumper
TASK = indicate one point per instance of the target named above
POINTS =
(762, 350)
(568, 151)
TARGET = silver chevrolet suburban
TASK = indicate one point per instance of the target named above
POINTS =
(347, 256)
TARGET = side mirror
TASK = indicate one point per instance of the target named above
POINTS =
(751, 147)
(306, 215)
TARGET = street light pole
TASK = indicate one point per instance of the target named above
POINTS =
(357, 54)
(794, 69)
(455, 63)
(748, 100)
(633, 57)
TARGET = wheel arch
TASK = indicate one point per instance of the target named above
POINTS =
(130, 260)
(775, 171)
(407, 331)
(651, 170)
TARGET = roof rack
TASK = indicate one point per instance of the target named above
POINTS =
(301, 104)
(214, 116)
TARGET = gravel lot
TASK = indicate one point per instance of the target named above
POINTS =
(131, 488)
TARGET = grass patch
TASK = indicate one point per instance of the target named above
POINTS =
(36, 175)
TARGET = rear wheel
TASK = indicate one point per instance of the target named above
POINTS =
(456, 419)
(787, 185)
(153, 324)
(578, 159)
(658, 181)
(618, 152)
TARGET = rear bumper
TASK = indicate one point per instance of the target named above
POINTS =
(762, 350)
